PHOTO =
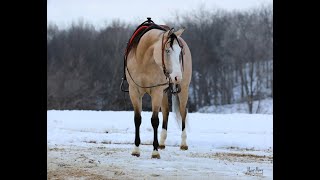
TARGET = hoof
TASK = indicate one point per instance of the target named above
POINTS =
(162, 146)
(184, 147)
(155, 154)
(136, 151)
(135, 154)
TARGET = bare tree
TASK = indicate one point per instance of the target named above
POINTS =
(232, 60)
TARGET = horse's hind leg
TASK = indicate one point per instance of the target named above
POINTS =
(183, 98)
(136, 100)
(165, 114)
(156, 96)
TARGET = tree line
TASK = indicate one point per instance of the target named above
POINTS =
(232, 55)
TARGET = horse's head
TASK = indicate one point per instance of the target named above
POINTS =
(171, 54)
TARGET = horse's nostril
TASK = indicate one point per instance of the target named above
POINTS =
(176, 78)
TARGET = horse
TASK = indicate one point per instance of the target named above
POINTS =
(159, 63)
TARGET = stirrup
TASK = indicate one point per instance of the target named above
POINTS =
(121, 86)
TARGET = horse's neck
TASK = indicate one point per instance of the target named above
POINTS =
(144, 51)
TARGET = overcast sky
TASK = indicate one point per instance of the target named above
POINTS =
(99, 12)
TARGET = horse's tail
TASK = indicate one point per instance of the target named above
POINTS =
(176, 109)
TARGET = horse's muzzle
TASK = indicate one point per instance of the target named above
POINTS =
(173, 88)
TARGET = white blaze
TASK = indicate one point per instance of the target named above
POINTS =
(175, 61)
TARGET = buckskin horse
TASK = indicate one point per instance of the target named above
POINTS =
(158, 61)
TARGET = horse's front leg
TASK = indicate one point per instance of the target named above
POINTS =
(165, 114)
(136, 100)
(183, 98)
(156, 96)
(183, 145)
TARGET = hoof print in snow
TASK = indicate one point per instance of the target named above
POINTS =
(119, 173)
(183, 147)
(162, 147)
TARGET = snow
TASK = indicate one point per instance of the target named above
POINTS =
(266, 107)
(220, 145)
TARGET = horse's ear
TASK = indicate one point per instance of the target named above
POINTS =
(169, 32)
(179, 32)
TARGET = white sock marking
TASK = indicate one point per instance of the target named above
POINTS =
(155, 153)
(184, 137)
(163, 136)
(136, 150)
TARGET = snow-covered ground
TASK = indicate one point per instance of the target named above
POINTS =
(98, 145)
(265, 107)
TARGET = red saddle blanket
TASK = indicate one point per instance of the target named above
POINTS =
(137, 32)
